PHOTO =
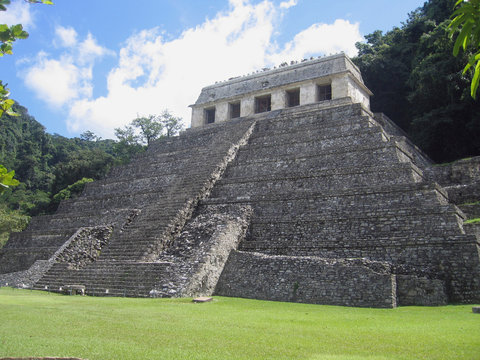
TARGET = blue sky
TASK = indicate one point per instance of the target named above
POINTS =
(97, 64)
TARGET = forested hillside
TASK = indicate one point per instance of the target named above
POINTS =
(418, 83)
(45, 163)
(49, 167)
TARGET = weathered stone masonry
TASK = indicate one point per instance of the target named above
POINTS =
(285, 188)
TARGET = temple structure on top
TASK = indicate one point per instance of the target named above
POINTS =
(321, 81)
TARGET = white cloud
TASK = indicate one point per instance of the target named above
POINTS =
(154, 73)
(18, 12)
(62, 81)
(66, 36)
(58, 81)
(322, 38)
(89, 48)
(288, 4)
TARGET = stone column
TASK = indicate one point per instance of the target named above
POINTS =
(197, 117)
(340, 87)
(308, 93)
(279, 99)
(221, 112)
(247, 106)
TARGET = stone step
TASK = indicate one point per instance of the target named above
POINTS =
(473, 229)
(415, 194)
(60, 221)
(19, 259)
(314, 132)
(404, 249)
(118, 278)
(302, 166)
(369, 137)
(149, 168)
(221, 134)
(323, 129)
(334, 179)
(311, 116)
(128, 200)
(332, 208)
(153, 182)
(106, 277)
(368, 151)
(407, 220)
(38, 238)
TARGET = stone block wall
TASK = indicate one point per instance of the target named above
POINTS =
(420, 291)
(347, 282)
(461, 179)
(464, 171)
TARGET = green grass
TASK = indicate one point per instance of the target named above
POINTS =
(472, 221)
(472, 203)
(42, 324)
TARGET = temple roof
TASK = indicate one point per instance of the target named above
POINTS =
(284, 75)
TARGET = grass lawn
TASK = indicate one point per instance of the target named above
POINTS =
(42, 324)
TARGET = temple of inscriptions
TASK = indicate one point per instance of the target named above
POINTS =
(286, 187)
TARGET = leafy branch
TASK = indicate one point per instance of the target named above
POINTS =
(6, 179)
(466, 21)
(6, 103)
(8, 35)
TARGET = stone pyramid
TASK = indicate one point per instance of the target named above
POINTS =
(286, 188)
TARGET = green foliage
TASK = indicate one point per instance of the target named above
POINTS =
(150, 128)
(229, 328)
(127, 147)
(89, 136)
(6, 103)
(424, 92)
(46, 164)
(90, 163)
(172, 124)
(45, 2)
(70, 191)
(6, 179)
(144, 130)
(11, 221)
(8, 35)
(466, 25)
(472, 203)
(472, 221)
(4, 3)
(127, 135)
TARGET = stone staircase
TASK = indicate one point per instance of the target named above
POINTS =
(106, 278)
(159, 191)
